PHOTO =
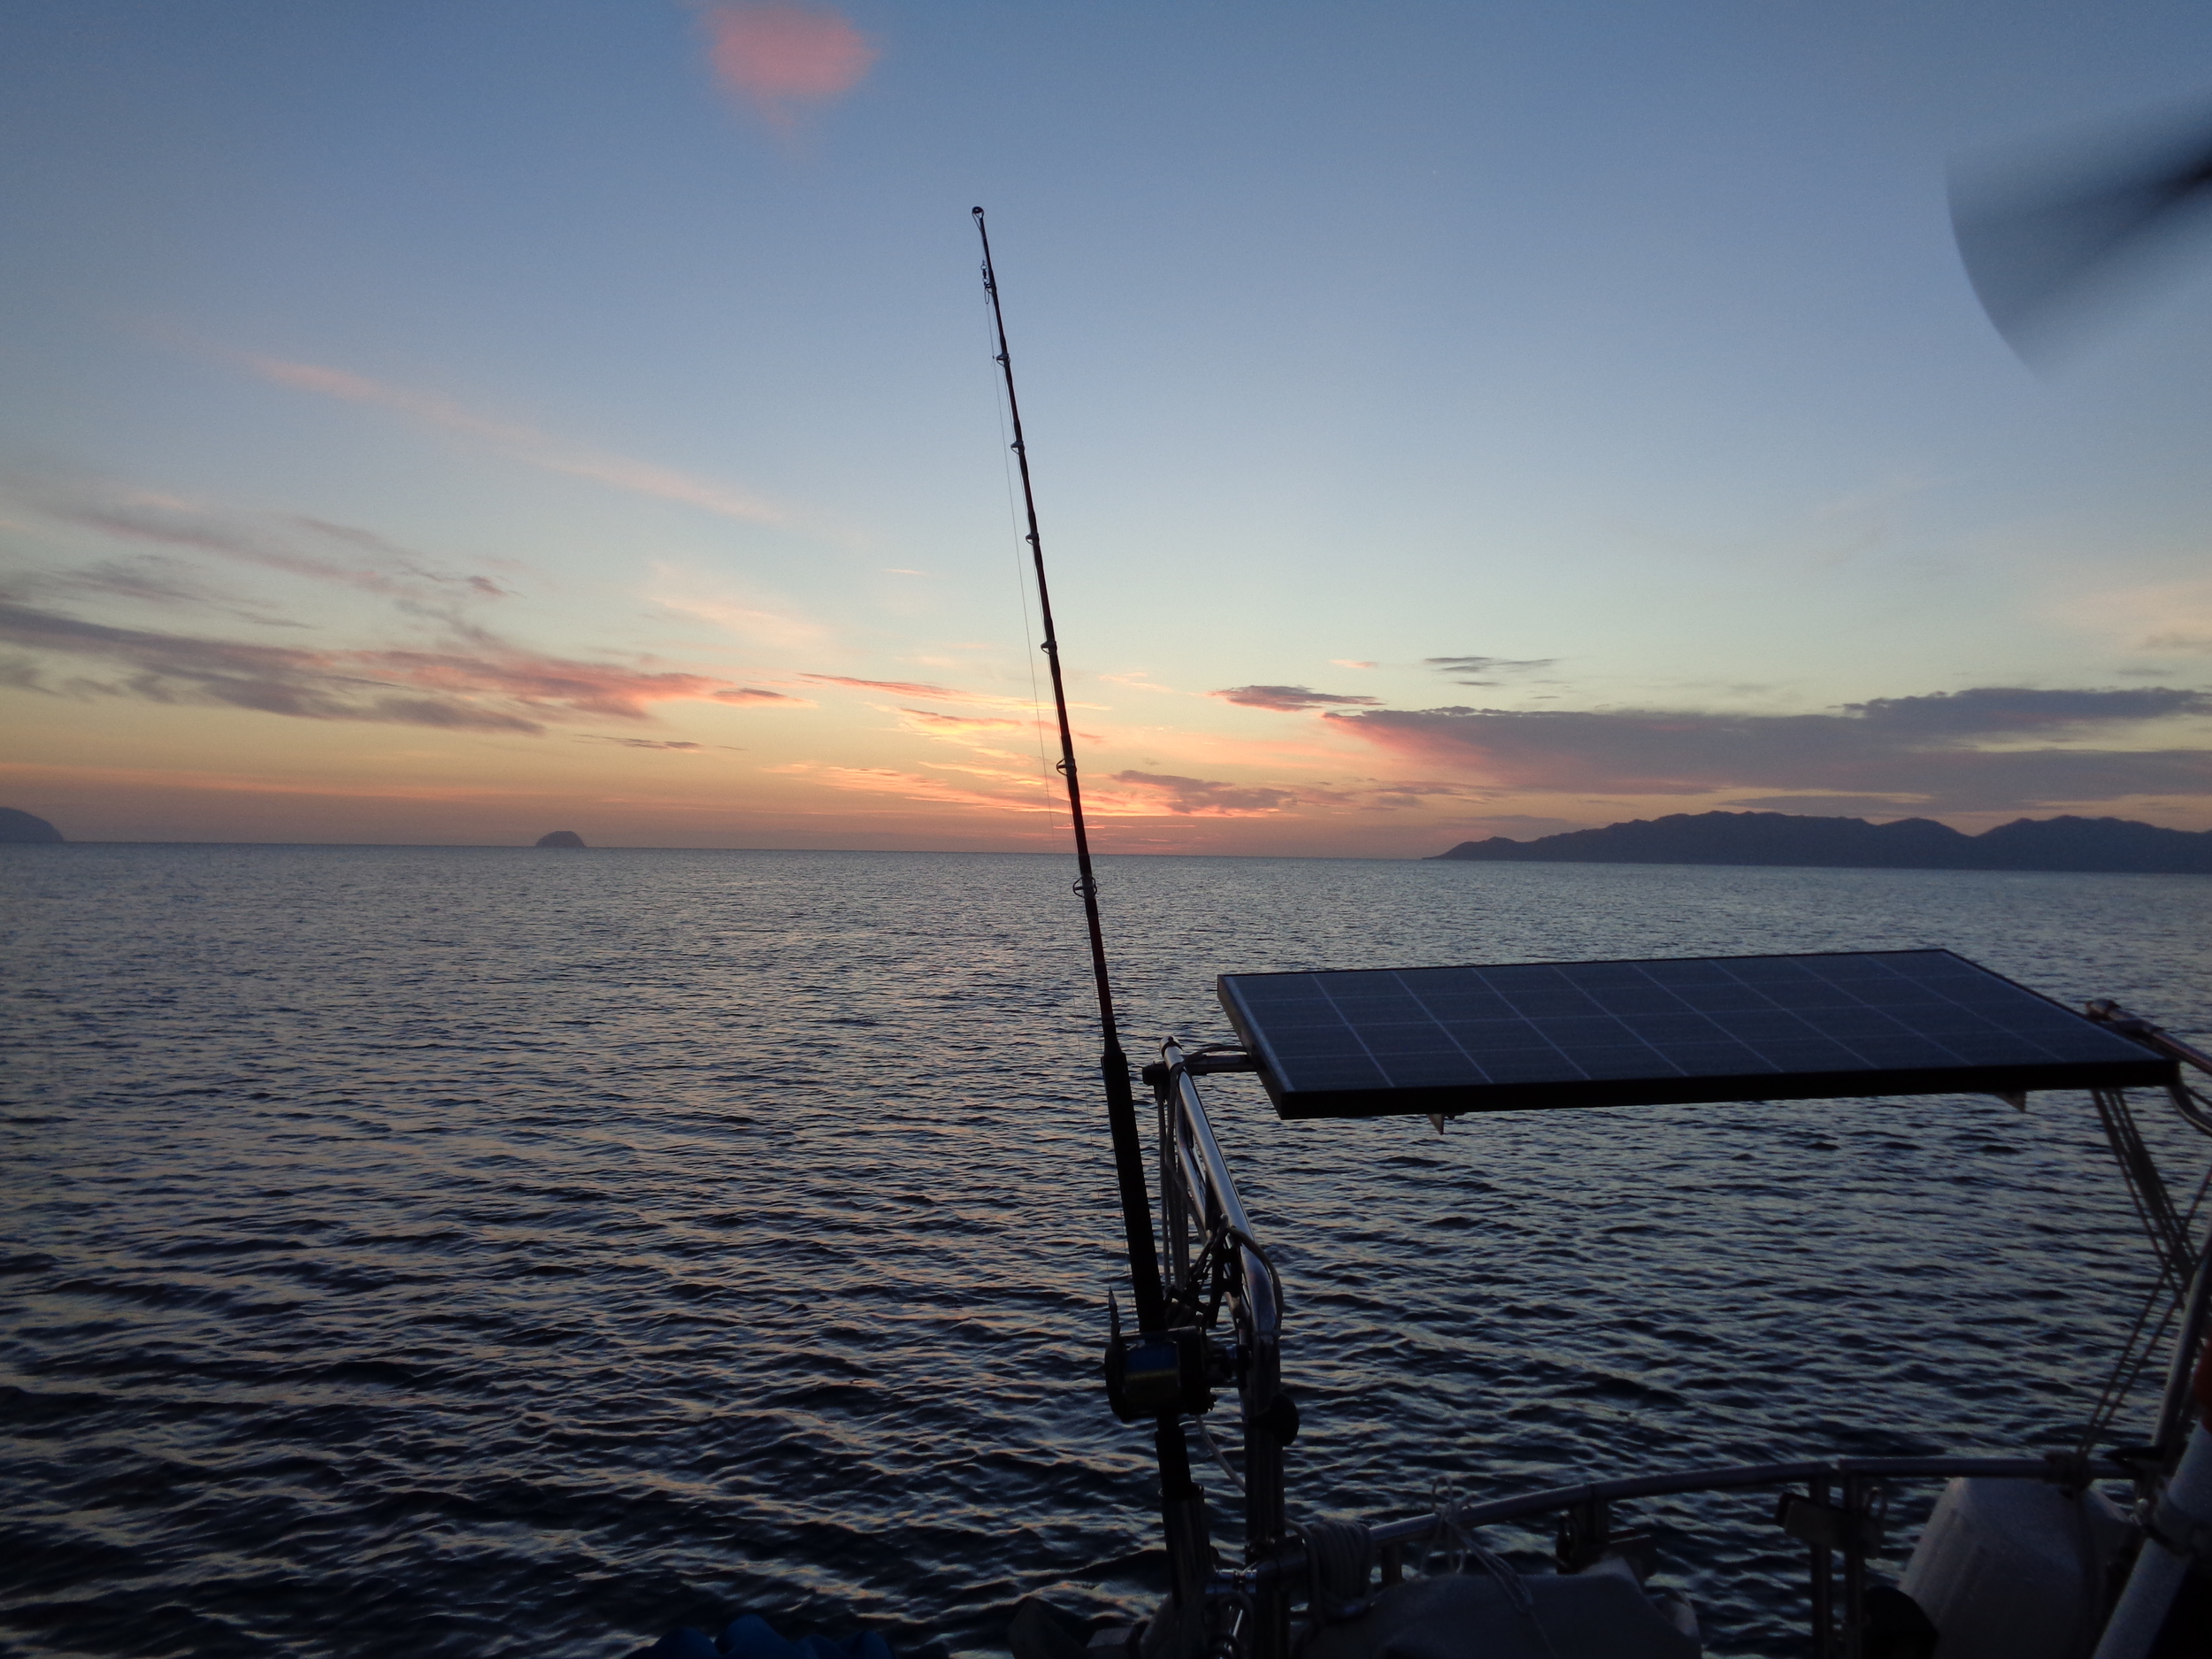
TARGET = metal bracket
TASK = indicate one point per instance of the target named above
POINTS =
(1829, 1525)
(1237, 1060)
(1160, 1076)
(2182, 1533)
(1586, 1537)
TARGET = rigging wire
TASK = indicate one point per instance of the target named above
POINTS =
(2169, 1229)
(2163, 1222)
(2127, 1371)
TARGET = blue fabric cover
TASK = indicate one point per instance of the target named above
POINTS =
(752, 1637)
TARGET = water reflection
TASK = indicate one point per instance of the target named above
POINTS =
(457, 1251)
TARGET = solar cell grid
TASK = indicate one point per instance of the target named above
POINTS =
(1370, 1041)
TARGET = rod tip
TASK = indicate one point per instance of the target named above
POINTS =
(977, 212)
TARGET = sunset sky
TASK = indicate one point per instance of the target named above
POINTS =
(449, 420)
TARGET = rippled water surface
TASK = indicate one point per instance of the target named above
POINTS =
(429, 1252)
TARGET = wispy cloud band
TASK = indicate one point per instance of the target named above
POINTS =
(527, 443)
(492, 687)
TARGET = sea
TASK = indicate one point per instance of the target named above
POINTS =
(432, 1251)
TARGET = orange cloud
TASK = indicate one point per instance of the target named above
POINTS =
(775, 56)
(1014, 793)
(956, 726)
(976, 732)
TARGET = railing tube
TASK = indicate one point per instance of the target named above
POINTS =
(1265, 1511)
(2184, 1513)
(2174, 1405)
(1823, 1574)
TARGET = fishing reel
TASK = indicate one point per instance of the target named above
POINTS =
(1156, 1371)
(1152, 1372)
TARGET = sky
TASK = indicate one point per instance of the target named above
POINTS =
(444, 422)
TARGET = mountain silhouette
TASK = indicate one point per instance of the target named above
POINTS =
(1853, 843)
(561, 838)
(20, 829)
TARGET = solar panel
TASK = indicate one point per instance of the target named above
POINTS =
(1370, 1042)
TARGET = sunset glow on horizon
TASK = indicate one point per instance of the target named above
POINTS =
(450, 426)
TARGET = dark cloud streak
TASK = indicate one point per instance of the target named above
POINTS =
(295, 544)
(1202, 796)
(1289, 699)
(1455, 666)
(1930, 747)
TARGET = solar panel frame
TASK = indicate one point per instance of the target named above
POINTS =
(1664, 1030)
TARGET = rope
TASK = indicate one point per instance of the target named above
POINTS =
(1214, 1451)
(1339, 1560)
(1463, 1546)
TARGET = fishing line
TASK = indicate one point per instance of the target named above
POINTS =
(1113, 1062)
(1021, 575)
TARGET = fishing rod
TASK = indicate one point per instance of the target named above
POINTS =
(1121, 1106)
(1160, 1373)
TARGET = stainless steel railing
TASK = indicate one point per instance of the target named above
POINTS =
(1215, 1263)
(1200, 1207)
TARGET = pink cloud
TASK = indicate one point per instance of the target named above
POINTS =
(901, 687)
(776, 56)
(934, 694)
(487, 685)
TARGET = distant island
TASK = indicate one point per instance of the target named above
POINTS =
(1853, 843)
(561, 838)
(20, 829)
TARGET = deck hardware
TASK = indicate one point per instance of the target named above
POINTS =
(1586, 1537)
(1826, 1525)
(1280, 1418)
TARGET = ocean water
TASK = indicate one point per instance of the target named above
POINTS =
(443, 1252)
